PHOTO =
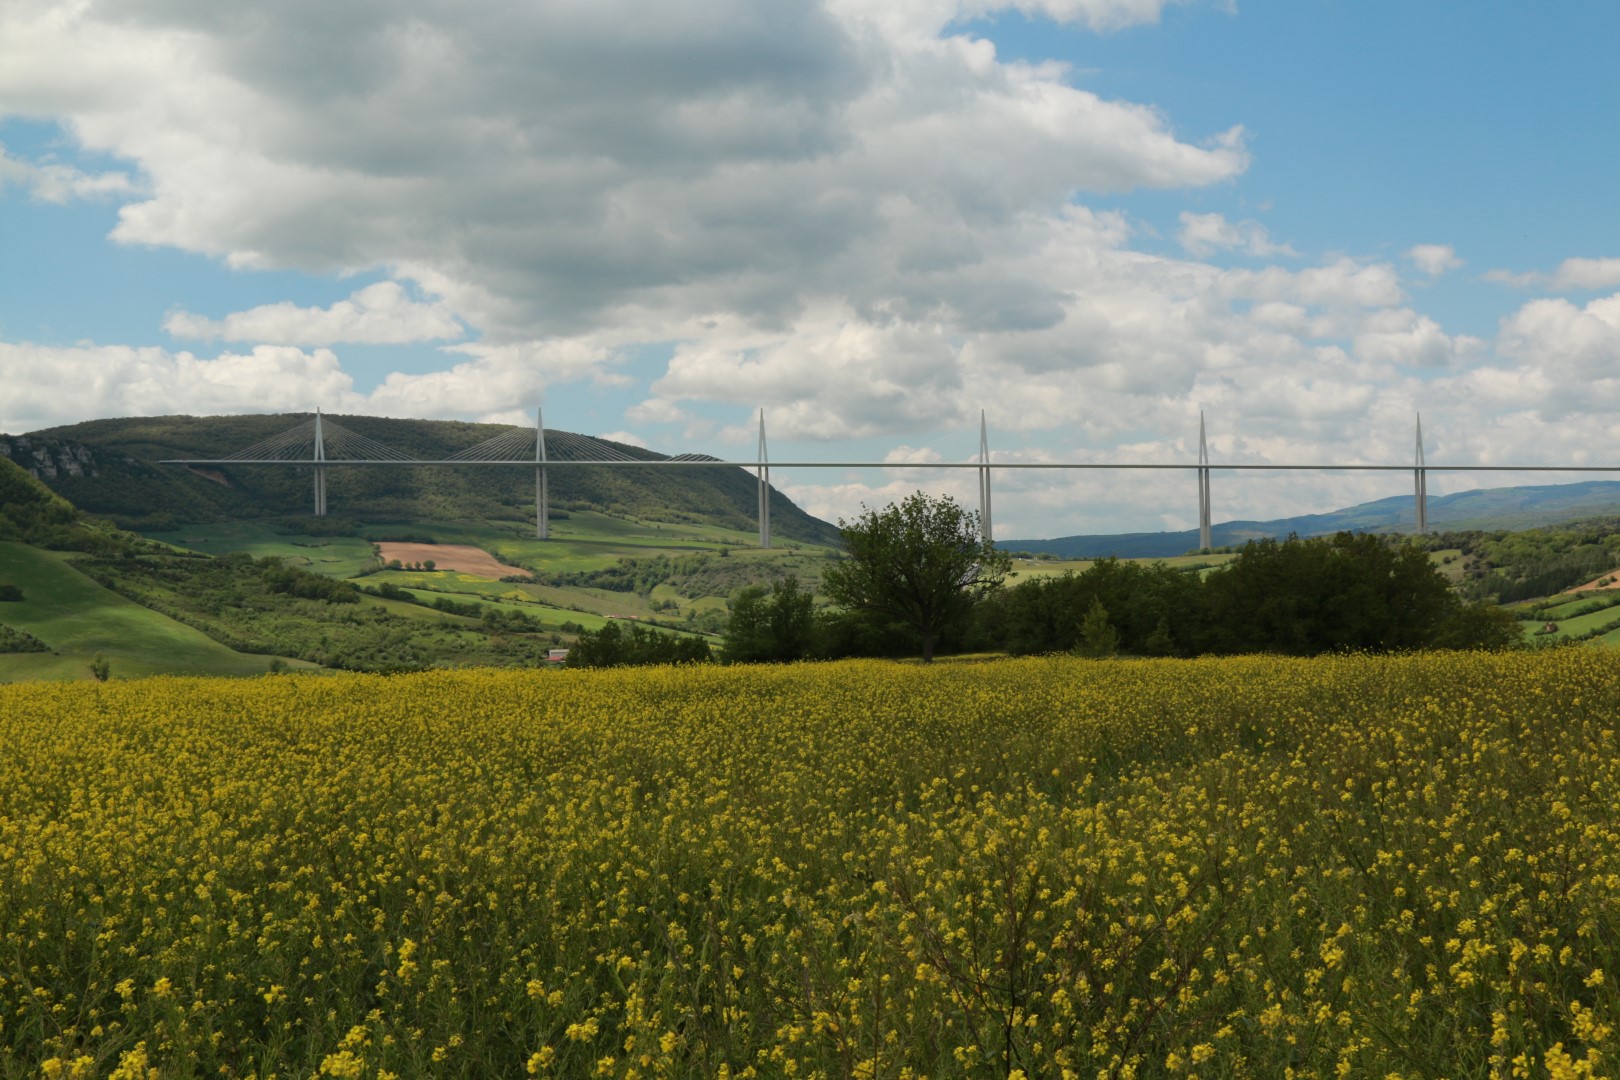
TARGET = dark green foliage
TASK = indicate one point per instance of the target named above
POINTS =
(620, 644)
(1045, 615)
(1097, 638)
(1294, 596)
(1479, 626)
(31, 513)
(1309, 596)
(921, 561)
(10, 593)
(770, 626)
(281, 578)
(100, 668)
(13, 640)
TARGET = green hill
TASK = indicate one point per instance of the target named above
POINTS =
(112, 468)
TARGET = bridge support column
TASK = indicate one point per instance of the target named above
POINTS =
(320, 470)
(984, 482)
(1203, 487)
(764, 472)
(542, 516)
(1420, 486)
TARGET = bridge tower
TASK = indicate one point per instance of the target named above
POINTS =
(1203, 486)
(320, 469)
(984, 481)
(764, 472)
(542, 515)
(1420, 485)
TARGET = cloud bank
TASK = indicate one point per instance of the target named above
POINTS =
(857, 214)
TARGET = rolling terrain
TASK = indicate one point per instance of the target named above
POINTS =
(1488, 509)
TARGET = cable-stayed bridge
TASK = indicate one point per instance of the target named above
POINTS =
(320, 443)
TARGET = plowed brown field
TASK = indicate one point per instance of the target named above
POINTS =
(463, 557)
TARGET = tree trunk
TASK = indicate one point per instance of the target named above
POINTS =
(928, 648)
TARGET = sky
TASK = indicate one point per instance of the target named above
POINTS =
(1088, 220)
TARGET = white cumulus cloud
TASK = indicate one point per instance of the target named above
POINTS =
(1204, 234)
(380, 314)
(1433, 259)
(1572, 274)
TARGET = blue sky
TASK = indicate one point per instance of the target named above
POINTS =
(1090, 218)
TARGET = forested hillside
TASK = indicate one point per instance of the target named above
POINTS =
(111, 468)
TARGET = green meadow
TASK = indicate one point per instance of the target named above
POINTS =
(80, 620)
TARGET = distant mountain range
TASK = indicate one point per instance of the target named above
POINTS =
(1486, 509)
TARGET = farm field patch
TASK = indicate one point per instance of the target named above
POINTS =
(1349, 865)
(466, 558)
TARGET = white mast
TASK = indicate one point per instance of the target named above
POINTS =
(1203, 486)
(542, 518)
(764, 486)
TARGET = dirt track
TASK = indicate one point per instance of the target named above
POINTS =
(1612, 578)
(463, 557)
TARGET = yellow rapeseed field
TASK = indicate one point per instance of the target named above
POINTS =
(1343, 867)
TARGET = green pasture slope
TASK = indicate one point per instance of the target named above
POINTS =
(336, 556)
(1573, 616)
(79, 620)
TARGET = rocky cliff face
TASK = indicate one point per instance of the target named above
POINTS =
(49, 459)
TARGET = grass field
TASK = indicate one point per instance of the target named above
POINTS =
(585, 540)
(336, 556)
(521, 599)
(79, 620)
(1570, 624)
(1038, 568)
(1255, 867)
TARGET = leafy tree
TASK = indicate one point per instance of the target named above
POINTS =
(1160, 643)
(615, 645)
(1097, 638)
(1477, 626)
(770, 627)
(922, 561)
(13, 640)
(1342, 592)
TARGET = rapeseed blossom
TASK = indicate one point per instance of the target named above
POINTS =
(1251, 867)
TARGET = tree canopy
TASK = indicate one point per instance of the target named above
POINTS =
(922, 561)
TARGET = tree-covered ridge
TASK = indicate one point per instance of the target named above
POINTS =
(31, 513)
(125, 481)
(1512, 566)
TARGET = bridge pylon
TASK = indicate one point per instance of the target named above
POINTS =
(1203, 487)
(542, 515)
(1420, 486)
(984, 481)
(320, 469)
(764, 473)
